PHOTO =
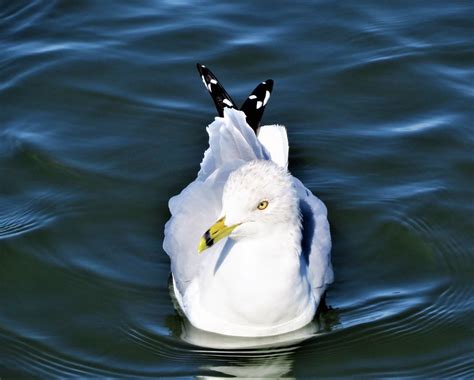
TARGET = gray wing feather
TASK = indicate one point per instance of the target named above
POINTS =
(316, 241)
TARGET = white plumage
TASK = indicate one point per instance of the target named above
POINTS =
(275, 140)
(267, 277)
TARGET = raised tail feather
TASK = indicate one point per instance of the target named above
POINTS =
(220, 96)
(254, 105)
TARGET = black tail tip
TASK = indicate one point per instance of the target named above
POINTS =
(253, 106)
(269, 83)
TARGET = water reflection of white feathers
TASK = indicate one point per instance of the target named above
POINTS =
(262, 357)
(275, 366)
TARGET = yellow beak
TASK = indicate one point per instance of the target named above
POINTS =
(217, 232)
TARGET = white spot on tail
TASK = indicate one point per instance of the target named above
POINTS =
(267, 96)
(213, 81)
(227, 102)
(253, 97)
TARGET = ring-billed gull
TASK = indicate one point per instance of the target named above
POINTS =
(249, 244)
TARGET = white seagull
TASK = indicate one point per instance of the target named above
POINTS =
(249, 244)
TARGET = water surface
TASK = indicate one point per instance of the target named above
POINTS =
(102, 120)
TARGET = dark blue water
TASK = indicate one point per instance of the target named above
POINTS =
(102, 120)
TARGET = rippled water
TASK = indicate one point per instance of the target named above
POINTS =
(102, 119)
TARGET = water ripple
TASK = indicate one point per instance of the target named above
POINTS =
(19, 216)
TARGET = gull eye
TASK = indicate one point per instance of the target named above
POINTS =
(262, 205)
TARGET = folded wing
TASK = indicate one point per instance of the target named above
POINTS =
(316, 244)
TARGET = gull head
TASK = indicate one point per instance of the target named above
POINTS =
(259, 200)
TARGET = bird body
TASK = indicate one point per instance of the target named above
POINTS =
(265, 263)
